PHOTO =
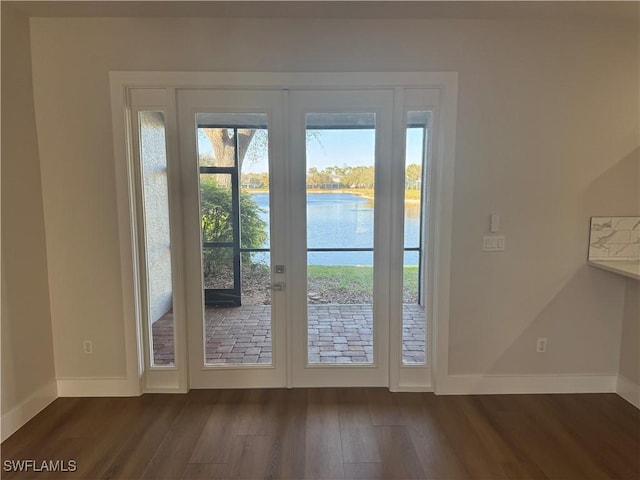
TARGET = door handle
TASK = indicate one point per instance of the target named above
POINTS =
(278, 286)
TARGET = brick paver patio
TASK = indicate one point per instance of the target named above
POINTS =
(238, 334)
(163, 348)
(337, 334)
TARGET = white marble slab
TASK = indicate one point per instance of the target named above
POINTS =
(614, 238)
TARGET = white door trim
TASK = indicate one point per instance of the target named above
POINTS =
(445, 82)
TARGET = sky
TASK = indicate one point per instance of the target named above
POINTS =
(328, 148)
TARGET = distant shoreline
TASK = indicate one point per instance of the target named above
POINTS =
(364, 192)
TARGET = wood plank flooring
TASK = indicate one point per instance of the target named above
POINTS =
(358, 433)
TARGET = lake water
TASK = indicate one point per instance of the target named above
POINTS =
(345, 220)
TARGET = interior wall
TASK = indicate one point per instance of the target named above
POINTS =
(630, 343)
(27, 346)
(547, 116)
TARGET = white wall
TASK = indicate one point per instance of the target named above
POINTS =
(630, 351)
(547, 117)
(28, 377)
(629, 381)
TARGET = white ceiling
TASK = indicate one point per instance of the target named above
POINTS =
(599, 11)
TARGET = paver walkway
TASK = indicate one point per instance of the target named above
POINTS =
(337, 334)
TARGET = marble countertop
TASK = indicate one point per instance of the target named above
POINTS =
(628, 268)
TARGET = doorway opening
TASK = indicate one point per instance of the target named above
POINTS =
(301, 234)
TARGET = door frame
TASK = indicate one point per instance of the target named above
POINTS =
(140, 378)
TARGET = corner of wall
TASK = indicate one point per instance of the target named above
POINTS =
(629, 390)
(28, 371)
(27, 409)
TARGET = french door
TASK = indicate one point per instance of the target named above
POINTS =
(339, 236)
(265, 245)
(234, 185)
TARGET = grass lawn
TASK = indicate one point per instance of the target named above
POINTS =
(412, 194)
(357, 279)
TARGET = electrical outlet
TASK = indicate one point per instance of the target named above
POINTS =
(541, 345)
(87, 347)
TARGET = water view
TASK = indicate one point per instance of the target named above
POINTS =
(345, 220)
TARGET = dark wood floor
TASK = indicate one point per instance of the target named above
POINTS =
(334, 434)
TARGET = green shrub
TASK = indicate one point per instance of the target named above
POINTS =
(217, 225)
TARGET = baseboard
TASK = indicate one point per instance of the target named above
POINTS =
(411, 388)
(170, 390)
(98, 387)
(27, 409)
(628, 390)
(505, 384)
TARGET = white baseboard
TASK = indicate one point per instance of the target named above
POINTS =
(505, 384)
(411, 388)
(98, 387)
(27, 409)
(628, 390)
(169, 390)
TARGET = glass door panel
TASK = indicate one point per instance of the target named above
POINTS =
(228, 148)
(234, 210)
(340, 148)
(158, 288)
(340, 184)
(413, 308)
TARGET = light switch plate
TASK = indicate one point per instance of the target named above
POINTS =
(493, 243)
(494, 223)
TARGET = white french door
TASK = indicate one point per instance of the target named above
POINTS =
(287, 235)
(235, 236)
(283, 334)
(339, 234)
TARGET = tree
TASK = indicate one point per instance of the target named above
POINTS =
(263, 179)
(223, 144)
(413, 175)
(255, 180)
(318, 179)
(216, 200)
(216, 207)
(360, 177)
